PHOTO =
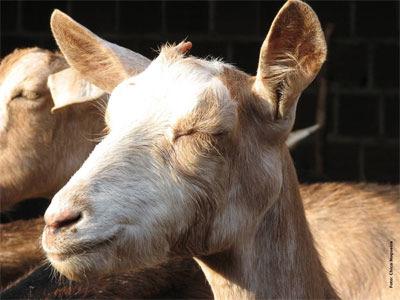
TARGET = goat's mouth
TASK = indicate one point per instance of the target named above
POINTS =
(81, 249)
(85, 259)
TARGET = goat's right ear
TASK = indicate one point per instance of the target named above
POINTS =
(67, 88)
(290, 57)
(100, 62)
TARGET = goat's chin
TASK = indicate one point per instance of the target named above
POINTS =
(86, 265)
(121, 252)
(105, 260)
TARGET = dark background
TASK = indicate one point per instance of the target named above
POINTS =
(361, 137)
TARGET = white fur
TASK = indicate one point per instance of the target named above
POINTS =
(125, 185)
(68, 87)
(160, 93)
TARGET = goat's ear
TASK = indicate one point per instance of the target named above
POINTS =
(290, 58)
(100, 62)
(67, 88)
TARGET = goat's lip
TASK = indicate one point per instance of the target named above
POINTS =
(80, 249)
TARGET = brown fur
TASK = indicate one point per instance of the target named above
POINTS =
(355, 265)
(241, 187)
(261, 259)
(37, 142)
(116, 61)
(361, 220)
(10, 60)
(20, 248)
(291, 55)
(243, 270)
(270, 253)
(179, 279)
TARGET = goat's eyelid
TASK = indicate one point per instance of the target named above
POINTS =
(30, 95)
(17, 95)
(179, 134)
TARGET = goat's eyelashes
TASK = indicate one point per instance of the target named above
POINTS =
(191, 132)
(177, 135)
(30, 95)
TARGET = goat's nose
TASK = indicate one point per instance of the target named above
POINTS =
(64, 218)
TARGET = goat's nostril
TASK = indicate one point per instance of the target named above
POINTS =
(64, 219)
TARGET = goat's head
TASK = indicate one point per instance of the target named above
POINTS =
(40, 150)
(193, 157)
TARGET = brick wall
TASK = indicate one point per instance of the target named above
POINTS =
(361, 137)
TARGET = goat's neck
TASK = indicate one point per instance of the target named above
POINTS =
(279, 261)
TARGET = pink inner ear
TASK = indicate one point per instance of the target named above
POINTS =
(184, 47)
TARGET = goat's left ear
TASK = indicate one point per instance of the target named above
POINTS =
(290, 58)
(67, 88)
(102, 63)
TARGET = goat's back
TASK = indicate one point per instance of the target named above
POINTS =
(355, 226)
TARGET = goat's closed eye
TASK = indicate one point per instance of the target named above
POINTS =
(181, 133)
(193, 131)
(30, 95)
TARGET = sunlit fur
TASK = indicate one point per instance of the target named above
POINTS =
(184, 172)
(77, 125)
(199, 168)
(150, 150)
